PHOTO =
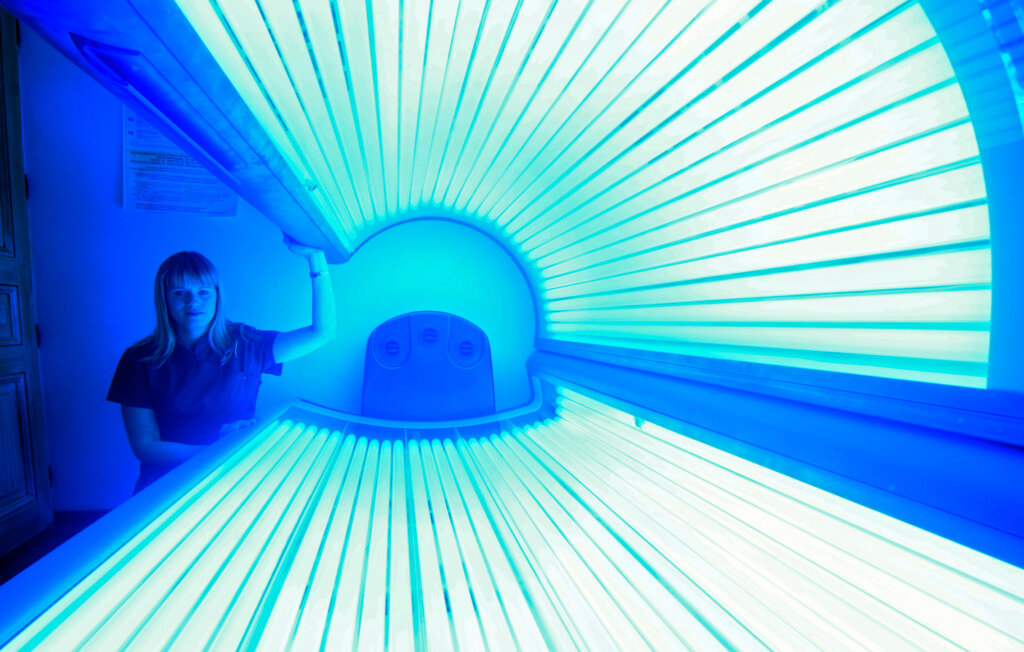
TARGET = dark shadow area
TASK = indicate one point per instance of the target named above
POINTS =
(65, 525)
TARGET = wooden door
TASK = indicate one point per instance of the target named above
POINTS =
(25, 506)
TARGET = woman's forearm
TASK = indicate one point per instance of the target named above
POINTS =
(324, 316)
(144, 437)
(165, 453)
(297, 343)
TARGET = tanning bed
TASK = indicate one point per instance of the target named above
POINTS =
(773, 250)
(581, 528)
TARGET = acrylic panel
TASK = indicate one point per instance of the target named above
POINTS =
(587, 530)
(792, 182)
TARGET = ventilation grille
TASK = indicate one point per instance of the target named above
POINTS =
(786, 182)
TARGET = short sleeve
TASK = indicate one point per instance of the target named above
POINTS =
(130, 385)
(258, 352)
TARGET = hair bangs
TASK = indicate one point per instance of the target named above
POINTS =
(187, 270)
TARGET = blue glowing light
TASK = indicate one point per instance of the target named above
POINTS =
(588, 530)
(789, 182)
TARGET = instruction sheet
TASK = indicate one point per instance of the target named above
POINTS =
(159, 176)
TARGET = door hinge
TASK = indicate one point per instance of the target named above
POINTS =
(39, 336)
(26, 186)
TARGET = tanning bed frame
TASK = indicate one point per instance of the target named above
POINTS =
(193, 69)
(999, 426)
(588, 528)
(152, 55)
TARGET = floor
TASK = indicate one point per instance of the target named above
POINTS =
(65, 525)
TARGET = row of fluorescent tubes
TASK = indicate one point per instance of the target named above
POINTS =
(585, 531)
(795, 182)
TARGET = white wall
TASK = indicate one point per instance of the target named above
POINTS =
(425, 265)
(93, 265)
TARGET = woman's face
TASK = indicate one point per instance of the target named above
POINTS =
(192, 307)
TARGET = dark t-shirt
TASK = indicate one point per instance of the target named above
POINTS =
(192, 393)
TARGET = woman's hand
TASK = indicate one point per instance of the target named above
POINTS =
(236, 425)
(300, 249)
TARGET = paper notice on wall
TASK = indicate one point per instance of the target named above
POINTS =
(159, 176)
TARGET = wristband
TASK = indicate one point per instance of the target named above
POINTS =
(318, 274)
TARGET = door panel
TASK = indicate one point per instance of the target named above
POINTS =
(10, 320)
(25, 506)
(13, 416)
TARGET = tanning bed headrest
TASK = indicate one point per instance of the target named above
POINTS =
(428, 366)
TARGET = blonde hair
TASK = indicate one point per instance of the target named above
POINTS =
(179, 270)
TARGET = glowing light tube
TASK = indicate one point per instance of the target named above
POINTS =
(588, 530)
(757, 181)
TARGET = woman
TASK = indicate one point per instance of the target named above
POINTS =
(198, 374)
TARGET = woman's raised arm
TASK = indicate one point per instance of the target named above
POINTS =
(297, 343)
